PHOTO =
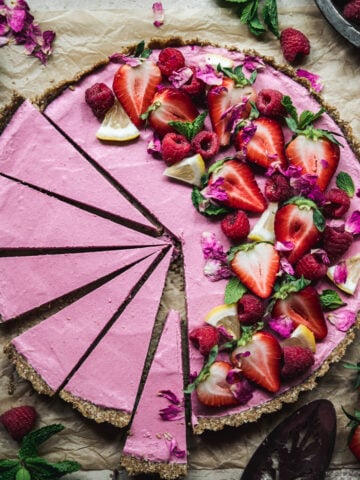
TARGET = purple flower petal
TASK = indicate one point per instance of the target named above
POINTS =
(17, 20)
(212, 248)
(322, 255)
(171, 396)
(314, 79)
(159, 14)
(242, 391)
(342, 320)
(154, 146)
(340, 273)
(215, 270)
(180, 77)
(252, 63)
(209, 75)
(175, 451)
(286, 266)
(233, 376)
(171, 413)
(121, 58)
(352, 224)
(282, 325)
(284, 246)
(214, 191)
(48, 38)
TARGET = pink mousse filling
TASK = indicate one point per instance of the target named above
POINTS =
(170, 201)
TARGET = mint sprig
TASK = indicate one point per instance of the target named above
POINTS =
(331, 300)
(29, 466)
(190, 129)
(258, 19)
(238, 75)
(346, 183)
(234, 291)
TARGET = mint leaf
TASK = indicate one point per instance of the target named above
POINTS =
(319, 220)
(307, 118)
(234, 290)
(204, 371)
(43, 470)
(9, 469)
(31, 441)
(237, 75)
(270, 16)
(141, 51)
(190, 129)
(23, 474)
(291, 110)
(331, 300)
(346, 183)
(205, 206)
(6, 464)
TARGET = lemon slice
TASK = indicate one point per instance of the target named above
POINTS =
(303, 336)
(263, 230)
(117, 126)
(353, 274)
(189, 170)
(225, 316)
(214, 59)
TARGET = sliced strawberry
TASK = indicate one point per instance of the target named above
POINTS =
(215, 391)
(315, 157)
(256, 265)
(220, 100)
(298, 224)
(304, 308)
(135, 87)
(171, 105)
(266, 146)
(354, 443)
(240, 186)
(259, 360)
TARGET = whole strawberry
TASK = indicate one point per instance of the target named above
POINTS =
(100, 99)
(19, 421)
(294, 44)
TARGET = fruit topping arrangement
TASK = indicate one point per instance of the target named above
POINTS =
(262, 170)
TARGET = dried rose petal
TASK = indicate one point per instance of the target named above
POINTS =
(286, 266)
(212, 248)
(282, 325)
(175, 451)
(284, 246)
(214, 191)
(242, 391)
(314, 79)
(122, 58)
(154, 146)
(340, 273)
(216, 270)
(352, 224)
(169, 395)
(171, 413)
(209, 75)
(342, 320)
(180, 77)
(159, 14)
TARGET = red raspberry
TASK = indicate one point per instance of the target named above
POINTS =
(352, 11)
(337, 203)
(250, 309)
(268, 102)
(19, 421)
(293, 43)
(204, 338)
(235, 225)
(206, 143)
(296, 360)
(311, 267)
(278, 188)
(194, 87)
(336, 241)
(100, 99)
(170, 60)
(174, 147)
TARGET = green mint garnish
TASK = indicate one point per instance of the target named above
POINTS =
(190, 129)
(234, 291)
(205, 206)
(238, 75)
(204, 371)
(346, 183)
(141, 51)
(290, 285)
(30, 466)
(258, 22)
(331, 300)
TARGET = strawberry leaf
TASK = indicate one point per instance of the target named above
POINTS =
(331, 300)
(234, 290)
(190, 129)
(346, 183)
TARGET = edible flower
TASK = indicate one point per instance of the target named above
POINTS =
(180, 77)
(286, 266)
(252, 63)
(283, 325)
(284, 246)
(209, 75)
(174, 411)
(216, 270)
(241, 389)
(154, 145)
(174, 450)
(216, 266)
(122, 58)
(159, 14)
(342, 320)
(352, 224)
(314, 79)
(215, 191)
(340, 273)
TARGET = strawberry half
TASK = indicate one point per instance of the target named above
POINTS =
(304, 308)
(214, 390)
(298, 223)
(354, 435)
(256, 265)
(220, 101)
(266, 146)
(319, 156)
(260, 360)
(170, 105)
(135, 87)
(240, 185)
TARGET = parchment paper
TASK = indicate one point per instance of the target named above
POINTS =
(84, 38)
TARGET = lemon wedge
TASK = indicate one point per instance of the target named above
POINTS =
(189, 170)
(352, 265)
(117, 126)
(303, 336)
(225, 316)
(214, 59)
(263, 230)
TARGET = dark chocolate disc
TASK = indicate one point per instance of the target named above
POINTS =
(300, 447)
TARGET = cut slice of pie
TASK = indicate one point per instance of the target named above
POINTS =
(31, 219)
(33, 151)
(28, 282)
(156, 442)
(105, 386)
(47, 353)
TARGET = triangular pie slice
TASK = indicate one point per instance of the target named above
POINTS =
(28, 282)
(47, 353)
(48, 161)
(105, 386)
(32, 219)
(156, 442)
